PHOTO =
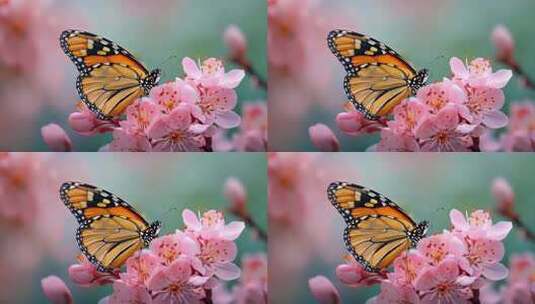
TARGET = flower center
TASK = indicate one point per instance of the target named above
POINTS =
(480, 67)
(212, 66)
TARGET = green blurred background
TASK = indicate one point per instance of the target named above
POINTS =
(427, 33)
(154, 185)
(153, 31)
(427, 186)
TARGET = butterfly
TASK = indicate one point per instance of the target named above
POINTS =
(377, 77)
(110, 229)
(377, 229)
(110, 77)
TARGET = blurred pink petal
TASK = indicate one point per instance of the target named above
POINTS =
(504, 43)
(394, 142)
(56, 290)
(228, 120)
(86, 123)
(392, 293)
(228, 272)
(323, 290)
(233, 230)
(323, 138)
(354, 123)
(495, 272)
(56, 138)
(236, 42)
(495, 119)
(236, 194)
(354, 275)
(124, 293)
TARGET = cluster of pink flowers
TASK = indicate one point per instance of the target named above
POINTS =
(446, 116)
(182, 267)
(252, 286)
(520, 285)
(450, 267)
(182, 115)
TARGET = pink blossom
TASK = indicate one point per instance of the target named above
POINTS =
(484, 106)
(323, 290)
(177, 132)
(236, 194)
(483, 259)
(394, 142)
(56, 290)
(140, 115)
(407, 267)
(56, 138)
(177, 284)
(504, 43)
(85, 274)
(215, 106)
(408, 114)
(479, 225)
(169, 247)
(504, 196)
(170, 95)
(236, 42)
(125, 293)
(252, 136)
(441, 133)
(86, 123)
(391, 293)
(520, 136)
(442, 284)
(323, 138)
(353, 122)
(216, 257)
(479, 73)
(124, 141)
(212, 225)
(438, 247)
(354, 275)
(211, 73)
(438, 95)
(142, 266)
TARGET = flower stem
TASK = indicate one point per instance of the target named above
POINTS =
(475, 297)
(249, 221)
(249, 69)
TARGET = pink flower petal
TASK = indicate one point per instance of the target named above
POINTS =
(228, 120)
(233, 230)
(323, 290)
(458, 68)
(191, 220)
(323, 138)
(228, 271)
(495, 272)
(56, 138)
(500, 230)
(499, 79)
(232, 79)
(495, 119)
(56, 290)
(458, 220)
(190, 68)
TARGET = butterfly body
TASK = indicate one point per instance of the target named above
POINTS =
(110, 229)
(111, 78)
(378, 230)
(378, 78)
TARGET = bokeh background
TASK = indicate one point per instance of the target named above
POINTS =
(37, 81)
(309, 242)
(155, 186)
(306, 79)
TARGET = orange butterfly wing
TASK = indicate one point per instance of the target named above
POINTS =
(377, 231)
(110, 229)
